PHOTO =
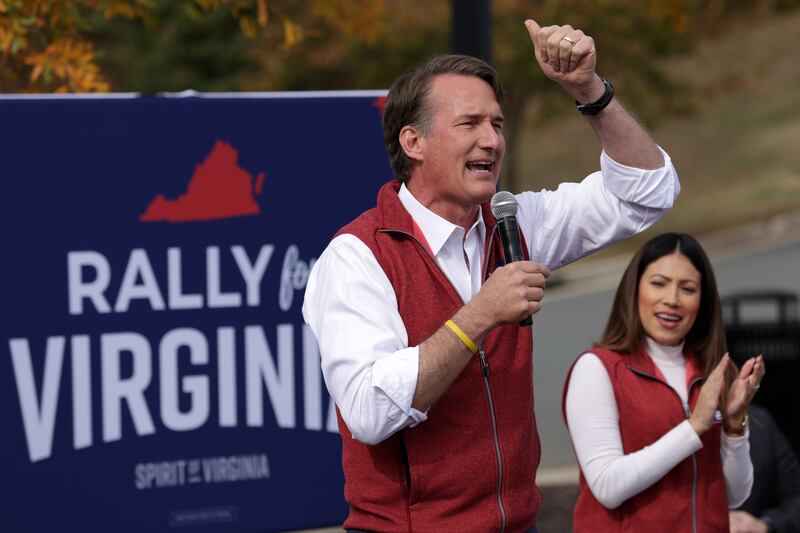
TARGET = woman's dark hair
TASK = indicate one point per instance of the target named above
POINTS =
(624, 332)
(407, 101)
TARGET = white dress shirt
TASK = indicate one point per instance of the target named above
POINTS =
(613, 476)
(350, 305)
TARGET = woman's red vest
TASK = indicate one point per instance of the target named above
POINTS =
(691, 497)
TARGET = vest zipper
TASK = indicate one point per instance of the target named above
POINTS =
(495, 437)
(485, 367)
(688, 413)
(484, 363)
(694, 480)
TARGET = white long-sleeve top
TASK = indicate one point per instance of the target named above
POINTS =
(350, 305)
(593, 420)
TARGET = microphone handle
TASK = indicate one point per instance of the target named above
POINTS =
(512, 247)
(509, 236)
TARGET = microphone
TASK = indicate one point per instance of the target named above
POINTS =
(504, 209)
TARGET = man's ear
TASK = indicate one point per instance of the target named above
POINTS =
(412, 142)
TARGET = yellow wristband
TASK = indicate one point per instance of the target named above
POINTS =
(461, 335)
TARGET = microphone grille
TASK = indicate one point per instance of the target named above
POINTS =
(504, 205)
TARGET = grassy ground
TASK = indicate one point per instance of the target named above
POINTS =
(737, 148)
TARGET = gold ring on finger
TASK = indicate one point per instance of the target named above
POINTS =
(569, 39)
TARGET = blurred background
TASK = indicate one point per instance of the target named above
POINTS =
(717, 82)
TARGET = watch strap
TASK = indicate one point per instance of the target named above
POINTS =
(736, 431)
(598, 105)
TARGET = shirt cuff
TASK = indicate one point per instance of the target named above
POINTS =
(657, 188)
(396, 376)
(735, 441)
(690, 435)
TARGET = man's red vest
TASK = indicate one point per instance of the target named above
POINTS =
(449, 473)
(692, 493)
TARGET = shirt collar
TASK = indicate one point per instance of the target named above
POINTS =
(436, 229)
(669, 354)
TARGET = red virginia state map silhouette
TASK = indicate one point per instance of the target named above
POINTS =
(219, 188)
(380, 104)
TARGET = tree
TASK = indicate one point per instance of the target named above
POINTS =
(182, 46)
(46, 45)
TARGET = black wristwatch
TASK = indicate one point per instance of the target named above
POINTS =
(595, 107)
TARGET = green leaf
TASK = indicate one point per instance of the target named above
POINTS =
(191, 12)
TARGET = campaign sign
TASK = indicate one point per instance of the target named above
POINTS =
(155, 371)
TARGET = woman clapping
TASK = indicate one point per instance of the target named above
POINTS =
(657, 411)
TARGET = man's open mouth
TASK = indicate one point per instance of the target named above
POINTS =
(482, 166)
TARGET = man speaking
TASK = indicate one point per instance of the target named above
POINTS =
(419, 328)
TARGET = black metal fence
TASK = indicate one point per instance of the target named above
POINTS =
(768, 323)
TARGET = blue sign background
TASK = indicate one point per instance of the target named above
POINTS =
(76, 175)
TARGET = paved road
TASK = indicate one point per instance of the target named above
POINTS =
(574, 316)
